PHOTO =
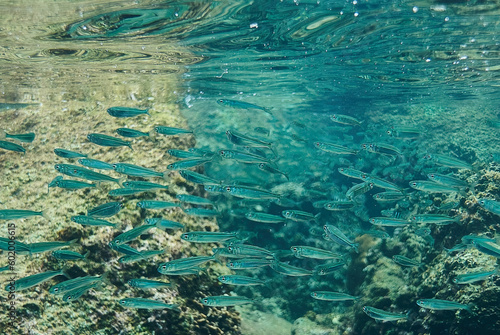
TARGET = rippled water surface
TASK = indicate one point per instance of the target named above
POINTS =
(427, 66)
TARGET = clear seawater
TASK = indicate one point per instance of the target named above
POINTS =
(429, 66)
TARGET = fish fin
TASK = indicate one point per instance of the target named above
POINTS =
(121, 180)
(45, 215)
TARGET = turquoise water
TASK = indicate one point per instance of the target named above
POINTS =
(405, 94)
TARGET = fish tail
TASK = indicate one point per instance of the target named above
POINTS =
(165, 175)
(3, 134)
(45, 215)
(355, 247)
(175, 307)
(268, 110)
(85, 257)
(146, 111)
(469, 308)
(121, 180)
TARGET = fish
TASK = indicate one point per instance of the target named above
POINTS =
(95, 164)
(6, 268)
(243, 157)
(70, 184)
(90, 221)
(446, 180)
(8, 105)
(78, 292)
(405, 261)
(240, 280)
(143, 185)
(171, 130)
(404, 133)
(345, 119)
(336, 235)
(247, 140)
(183, 154)
(72, 284)
(329, 268)
(432, 187)
(299, 216)
(33, 280)
(142, 303)
(84, 173)
(133, 233)
(147, 284)
(389, 196)
(352, 173)
(332, 296)
(439, 304)
(268, 168)
(188, 163)
(195, 200)
(68, 255)
(289, 270)
(388, 222)
(251, 193)
(488, 248)
(434, 218)
(125, 249)
(16, 214)
(381, 315)
(184, 263)
(338, 205)
(247, 251)
(264, 217)
(450, 162)
(488, 204)
(248, 263)
(121, 112)
(156, 204)
(11, 146)
(335, 148)
(25, 138)
(9, 244)
(472, 277)
(131, 133)
(224, 301)
(108, 141)
(68, 153)
(315, 253)
(382, 148)
(164, 224)
(243, 105)
(106, 210)
(382, 183)
(208, 236)
(198, 178)
(358, 190)
(39, 247)
(138, 171)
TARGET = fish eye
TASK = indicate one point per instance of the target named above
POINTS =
(294, 249)
(261, 165)
(164, 267)
(223, 278)
(414, 184)
(122, 302)
(56, 289)
(315, 294)
(185, 236)
(205, 301)
(388, 132)
(221, 100)
(69, 298)
(114, 166)
(228, 189)
(231, 264)
(415, 218)
(455, 280)
(230, 248)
